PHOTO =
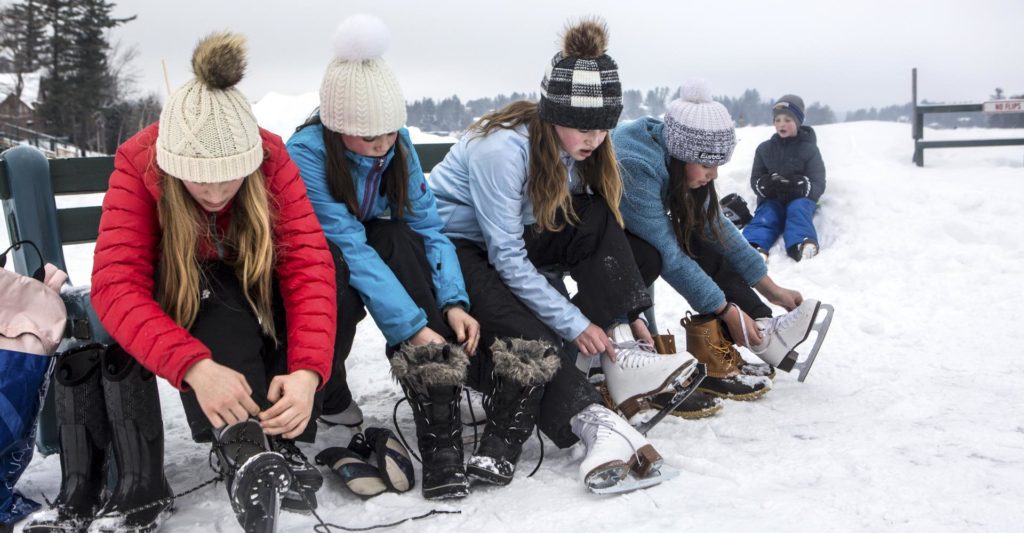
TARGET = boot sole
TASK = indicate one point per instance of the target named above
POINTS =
(696, 414)
(98, 526)
(487, 476)
(452, 491)
(737, 397)
(266, 471)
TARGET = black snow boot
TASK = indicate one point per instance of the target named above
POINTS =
(301, 496)
(432, 378)
(142, 499)
(521, 370)
(256, 476)
(83, 433)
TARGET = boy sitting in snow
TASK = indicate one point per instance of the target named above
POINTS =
(788, 177)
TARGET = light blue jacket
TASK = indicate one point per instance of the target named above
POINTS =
(643, 159)
(392, 308)
(481, 196)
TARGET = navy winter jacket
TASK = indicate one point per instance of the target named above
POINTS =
(790, 157)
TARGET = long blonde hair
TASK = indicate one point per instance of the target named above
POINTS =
(249, 241)
(547, 181)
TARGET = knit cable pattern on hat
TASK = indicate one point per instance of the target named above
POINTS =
(207, 132)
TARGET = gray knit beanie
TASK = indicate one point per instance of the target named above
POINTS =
(791, 105)
(581, 88)
(697, 128)
(207, 132)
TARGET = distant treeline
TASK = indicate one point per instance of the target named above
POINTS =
(452, 114)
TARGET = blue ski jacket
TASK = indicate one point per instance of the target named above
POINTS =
(643, 158)
(482, 196)
(394, 311)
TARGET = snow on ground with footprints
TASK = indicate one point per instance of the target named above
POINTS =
(910, 420)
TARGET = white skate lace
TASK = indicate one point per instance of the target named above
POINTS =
(779, 323)
(600, 418)
(635, 354)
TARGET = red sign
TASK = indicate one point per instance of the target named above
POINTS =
(1004, 106)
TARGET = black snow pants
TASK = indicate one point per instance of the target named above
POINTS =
(227, 325)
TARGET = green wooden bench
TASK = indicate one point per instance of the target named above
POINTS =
(29, 185)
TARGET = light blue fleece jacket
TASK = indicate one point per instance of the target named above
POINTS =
(481, 196)
(391, 307)
(643, 159)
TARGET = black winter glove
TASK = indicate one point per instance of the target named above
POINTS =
(799, 187)
(765, 186)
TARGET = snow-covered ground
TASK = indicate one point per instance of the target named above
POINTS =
(911, 419)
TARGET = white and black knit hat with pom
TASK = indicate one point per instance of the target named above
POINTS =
(207, 132)
(697, 128)
(359, 94)
(581, 87)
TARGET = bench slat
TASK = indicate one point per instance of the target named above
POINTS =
(78, 224)
(81, 175)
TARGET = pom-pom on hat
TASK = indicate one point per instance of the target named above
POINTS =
(581, 87)
(359, 94)
(697, 128)
(207, 132)
(791, 105)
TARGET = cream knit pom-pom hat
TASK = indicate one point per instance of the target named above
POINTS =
(207, 131)
(359, 94)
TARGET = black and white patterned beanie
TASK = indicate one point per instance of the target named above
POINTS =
(697, 128)
(581, 87)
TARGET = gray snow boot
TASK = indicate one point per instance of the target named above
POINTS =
(521, 370)
(83, 434)
(137, 431)
(432, 378)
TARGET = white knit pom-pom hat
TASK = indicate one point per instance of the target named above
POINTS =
(697, 128)
(359, 94)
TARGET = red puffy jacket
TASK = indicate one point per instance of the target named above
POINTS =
(128, 248)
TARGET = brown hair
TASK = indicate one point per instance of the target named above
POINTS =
(689, 209)
(547, 182)
(394, 182)
(249, 237)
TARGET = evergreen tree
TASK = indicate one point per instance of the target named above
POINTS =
(78, 85)
(22, 40)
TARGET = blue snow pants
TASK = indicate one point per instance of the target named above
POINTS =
(794, 221)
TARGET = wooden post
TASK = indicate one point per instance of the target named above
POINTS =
(917, 122)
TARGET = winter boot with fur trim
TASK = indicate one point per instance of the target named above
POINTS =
(521, 370)
(639, 372)
(84, 434)
(707, 341)
(257, 476)
(137, 431)
(432, 378)
(619, 458)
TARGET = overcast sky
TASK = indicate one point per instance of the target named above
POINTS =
(848, 54)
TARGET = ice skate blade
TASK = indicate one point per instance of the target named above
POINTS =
(607, 475)
(683, 391)
(631, 482)
(822, 329)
